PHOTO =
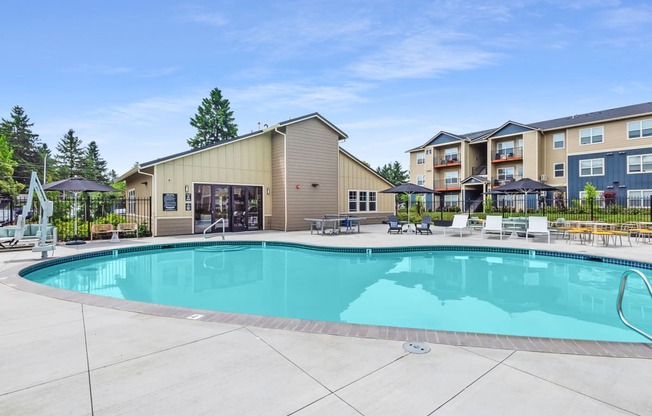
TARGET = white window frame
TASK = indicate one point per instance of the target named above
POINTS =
(421, 180)
(421, 158)
(503, 147)
(131, 202)
(592, 161)
(556, 167)
(353, 201)
(641, 164)
(640, 127)
(451, 200)
(452, 152)
(556, 139)
(639, 201)
(504, 176)
(362, 200)
(593, 133)
(451, 177)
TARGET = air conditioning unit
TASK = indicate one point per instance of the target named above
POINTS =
(543, 178)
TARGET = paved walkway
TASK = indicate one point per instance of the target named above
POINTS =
(65, 357)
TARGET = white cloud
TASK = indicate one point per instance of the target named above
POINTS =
(627, 18)
(422, 56)
(297, 95)
(212, 19)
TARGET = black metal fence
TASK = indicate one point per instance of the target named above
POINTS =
(613, 210)
(80, 214)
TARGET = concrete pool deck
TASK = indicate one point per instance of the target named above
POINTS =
(70, 357)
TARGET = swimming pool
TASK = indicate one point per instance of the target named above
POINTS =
(467, 289)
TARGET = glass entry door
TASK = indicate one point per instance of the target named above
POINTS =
(239, 206)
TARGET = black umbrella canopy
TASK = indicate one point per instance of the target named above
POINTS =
(77, 185)
(409, 188)
(523, 186)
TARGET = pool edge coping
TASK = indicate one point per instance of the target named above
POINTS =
(11, 278)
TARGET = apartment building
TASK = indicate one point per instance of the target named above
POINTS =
(611, 149)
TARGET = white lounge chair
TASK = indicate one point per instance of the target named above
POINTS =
(493, 224)
(537, 225)
(460, 222)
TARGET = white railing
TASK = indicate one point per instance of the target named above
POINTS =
(621, 293)
(213, 225)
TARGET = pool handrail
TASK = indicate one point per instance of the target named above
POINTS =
(213, 225)
(621, 293)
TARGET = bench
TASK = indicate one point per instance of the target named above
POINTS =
(101, 229)
(128, 227)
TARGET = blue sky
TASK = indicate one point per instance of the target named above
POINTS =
(130, 74)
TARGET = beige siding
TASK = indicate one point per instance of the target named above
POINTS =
(244, 162)
(615, 137)
(277, 221)
(419, 169)
(551, 156)
(173, 226)
(530, 155)
(312, 158)
(356, 177)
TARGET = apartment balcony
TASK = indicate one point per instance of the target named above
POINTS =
(507, 155)
(504, 180)
(447, 185)
(447, 160)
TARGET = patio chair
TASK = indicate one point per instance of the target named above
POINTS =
(537, 225)
(424, 227)
(460, 222)
(493, 224)
(394, 226)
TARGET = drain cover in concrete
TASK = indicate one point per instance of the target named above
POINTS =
(416, 347)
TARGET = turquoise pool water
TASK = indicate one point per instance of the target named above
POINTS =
(457, 289)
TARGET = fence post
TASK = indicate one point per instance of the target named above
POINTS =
(650, 205)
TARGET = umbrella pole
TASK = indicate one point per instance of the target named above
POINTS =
(75, 239)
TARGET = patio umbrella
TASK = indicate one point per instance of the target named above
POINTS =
(409, 189)
(522, 186)
(77, 185)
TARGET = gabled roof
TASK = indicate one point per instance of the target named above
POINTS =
(578, 119)
(510, 127)
(642, 109)
(201, 149)
(474, 179)
(341, 135)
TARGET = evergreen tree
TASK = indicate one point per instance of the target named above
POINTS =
(113, 175)
(94, 165)
(7, 164)
(24, 143)
(70, 157)
(394, 173)
(214, 121)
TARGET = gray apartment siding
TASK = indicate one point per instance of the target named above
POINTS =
(615, 174)
(312, 158)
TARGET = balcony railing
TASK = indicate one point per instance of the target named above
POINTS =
(504, 180)
(443, 159)
(448, 184)
(507, 154)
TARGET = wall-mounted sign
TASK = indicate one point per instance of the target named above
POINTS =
(188, 196)
(169, 202)
(188, 207)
